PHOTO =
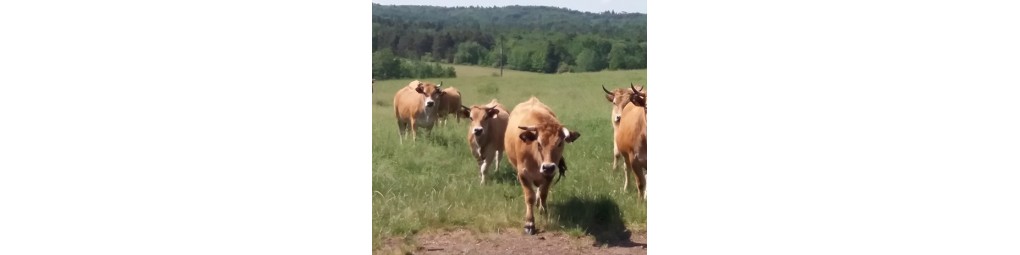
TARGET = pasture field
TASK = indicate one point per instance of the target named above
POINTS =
(433, 183)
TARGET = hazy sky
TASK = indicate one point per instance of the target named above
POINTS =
(580, 5)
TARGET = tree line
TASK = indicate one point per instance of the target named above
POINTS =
(526, 38)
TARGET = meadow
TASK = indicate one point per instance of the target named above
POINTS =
(433, 183)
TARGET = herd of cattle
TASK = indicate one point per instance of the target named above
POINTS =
(531, 136)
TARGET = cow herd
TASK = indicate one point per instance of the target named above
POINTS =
(530, 135)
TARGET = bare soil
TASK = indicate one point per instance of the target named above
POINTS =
(515, 242)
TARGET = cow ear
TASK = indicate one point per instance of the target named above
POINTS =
(571, 135)
(492, 112)
(528, 136)
(465, 112)
(420, 89)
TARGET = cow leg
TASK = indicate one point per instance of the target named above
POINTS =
(529, 203)
(414, 131)
(481, 171)
(543, 193)
(626, 175)
(637, 167)
(616, 154)
(496, 161)
(401, 131)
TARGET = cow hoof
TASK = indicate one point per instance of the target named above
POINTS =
(530, 230)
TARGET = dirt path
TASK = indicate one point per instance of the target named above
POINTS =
(466, 242)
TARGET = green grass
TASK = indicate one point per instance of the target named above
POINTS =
(433, 183)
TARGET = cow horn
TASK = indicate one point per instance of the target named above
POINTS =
(635, 90)
(606, 90)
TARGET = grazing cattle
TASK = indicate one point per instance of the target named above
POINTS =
(485, 133)
(632, 137)
(619, 98)
(449, 104)
(415, 106)
(534, 143)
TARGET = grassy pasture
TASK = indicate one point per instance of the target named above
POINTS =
(433, 183)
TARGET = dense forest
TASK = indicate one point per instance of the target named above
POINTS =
(527, 38)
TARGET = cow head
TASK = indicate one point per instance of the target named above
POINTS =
(481, 118)
(619, 98)
(549, 140)
(432, 93)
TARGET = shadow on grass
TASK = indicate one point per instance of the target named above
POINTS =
(600, 218)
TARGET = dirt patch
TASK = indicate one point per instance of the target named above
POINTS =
(515, 242)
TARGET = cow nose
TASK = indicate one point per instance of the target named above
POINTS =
(548, 167)
(478, 130)
(429, 104)
(617, 118)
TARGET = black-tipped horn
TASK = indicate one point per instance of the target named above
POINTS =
(606, 90)
(635, 90)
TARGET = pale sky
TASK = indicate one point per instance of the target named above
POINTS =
(596, 6)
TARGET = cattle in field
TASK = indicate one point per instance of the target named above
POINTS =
(416, 107)
(632, 138)
(534, 142)
(449, 104)
(485, 133)
(619, 98)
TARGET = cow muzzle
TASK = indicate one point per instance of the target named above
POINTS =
(548, 168)
(477, 130)
(617, 119)
(429, 103)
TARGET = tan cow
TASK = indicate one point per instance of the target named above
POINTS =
(619, 97)
(534, 146)
(416, 107)
(632, 137)
(485, 133)
(449, 104)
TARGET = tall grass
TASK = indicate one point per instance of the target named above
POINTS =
(433, 183)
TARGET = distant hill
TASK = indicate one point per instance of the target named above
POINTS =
(534, 38)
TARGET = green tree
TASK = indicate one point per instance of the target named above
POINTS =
(590, 61)
(385, 65)
(618, 57)
(469, 53)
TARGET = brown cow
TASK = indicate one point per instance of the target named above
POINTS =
(632, 137)
(619, 97)
(485, 133)
(449, 104)
(415, 106)
(534, 146)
